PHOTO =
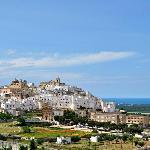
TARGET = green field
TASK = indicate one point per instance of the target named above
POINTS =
(145, 109)
(9, 128)
(38, 132)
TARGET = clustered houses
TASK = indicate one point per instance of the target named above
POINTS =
(18, 89)
(59, 95)
(21, 96)
(15, 107)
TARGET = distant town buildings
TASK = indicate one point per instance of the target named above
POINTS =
(113, 117)
(18, 89)
(53, 97)
(138, 119)
(20, 95)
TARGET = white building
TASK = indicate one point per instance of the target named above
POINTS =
(63, 140)
(73, 102)
(108, 106)
(11, 105)
(94, 139)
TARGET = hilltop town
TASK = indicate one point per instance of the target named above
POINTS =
(21, 96)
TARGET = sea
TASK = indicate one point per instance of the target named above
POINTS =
(139, 101)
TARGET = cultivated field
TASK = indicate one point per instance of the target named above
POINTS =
(40, 132)
(9, 128)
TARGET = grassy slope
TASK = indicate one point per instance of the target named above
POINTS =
(9, 128)
(37, 132)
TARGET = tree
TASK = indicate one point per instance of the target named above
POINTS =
(125, 137)
(21, 121)
(33, 145)
(26, 129)
(40, 141)
(134, 129)
(71, 117)
(131, 139)
(136, 142)
(5, 116)
(2, 137)
(141, 143)
(111, 137)
(75, 138)
(22, 147)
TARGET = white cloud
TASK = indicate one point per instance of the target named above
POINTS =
(10, 51)
(65, 60)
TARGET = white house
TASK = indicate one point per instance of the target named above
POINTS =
(63, 140)
(94, 139)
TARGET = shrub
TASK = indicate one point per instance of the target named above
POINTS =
(141, 143)
(26, 130)
(21, 121)
(94, 131)
(125, 137)
(75, 138)
(5, 116)
(40, 141)
(33, 145)
(2, 137)
(22, 147)
(136, 142)
(87, 136)
(52, 140)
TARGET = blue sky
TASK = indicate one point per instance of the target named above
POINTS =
(102, 45)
